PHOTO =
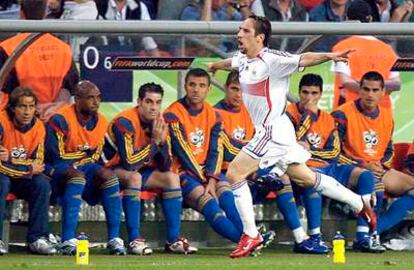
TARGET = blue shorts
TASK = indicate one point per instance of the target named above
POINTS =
(341, 173)
(188, 183)
(91, 193)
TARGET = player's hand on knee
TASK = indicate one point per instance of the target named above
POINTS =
(211, 188)
(37, 167)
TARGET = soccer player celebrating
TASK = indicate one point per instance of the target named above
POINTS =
(196, 137)
(74, 143)
(264, 76)
(138, 149)
(365, 130)
(22, 137)
(239, 129)
(316, 131)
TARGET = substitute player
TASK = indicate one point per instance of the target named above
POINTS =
(138, 149)
(22, 138)
(74, 143)
(196, 137)
(365, 130)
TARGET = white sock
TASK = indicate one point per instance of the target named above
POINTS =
(299, 235)
(331, 188)
(244, 204)
(315, 231)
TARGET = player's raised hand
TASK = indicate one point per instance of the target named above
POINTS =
(164, 130)
(342, 56)
(156, 130)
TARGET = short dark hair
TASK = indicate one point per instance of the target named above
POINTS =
(359, 10)
(16, 94)
(372, 76)
(311, 79)
(33, 9)
(82, 86)
(262, 26)
(232, 77)
(150, 88)
(197, 72)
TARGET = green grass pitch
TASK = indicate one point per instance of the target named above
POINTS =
(275, 258)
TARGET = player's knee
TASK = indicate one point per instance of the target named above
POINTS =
(232, 175)
(73, 173)
(106, 175)
(172, 180)
(134, 180)
(305, 182)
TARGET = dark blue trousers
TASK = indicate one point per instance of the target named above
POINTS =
(34, 190)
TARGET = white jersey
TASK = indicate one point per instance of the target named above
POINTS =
(264, 81)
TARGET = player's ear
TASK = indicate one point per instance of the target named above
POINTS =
(261, 37)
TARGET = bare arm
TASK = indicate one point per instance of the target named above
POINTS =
(224, 64)
(391, 85)
(313, 59)
(206, 11)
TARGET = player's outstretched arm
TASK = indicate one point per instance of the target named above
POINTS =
(312, 59)
(224, 64)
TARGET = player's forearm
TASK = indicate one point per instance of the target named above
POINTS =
(313, 59)
(392, 85)
(215, 156)
(182, 151)
(224, 64)
(330, 151)
(163, 157)
(206, 11)
(15, 171)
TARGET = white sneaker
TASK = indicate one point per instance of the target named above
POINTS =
(42, 246)
(3, 248)
(68, 247)
(116, 246)
(139, 247)
(180, 246)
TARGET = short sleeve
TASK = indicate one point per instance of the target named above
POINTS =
(235, 61)
(282, 63)
(341, 67)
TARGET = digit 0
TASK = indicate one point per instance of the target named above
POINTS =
(95, 53)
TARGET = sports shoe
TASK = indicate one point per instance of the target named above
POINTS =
(369, 245)
(116, 246)
(369, 215)
(3, 248)
(68, 247)
(139, 247)
(42, 246)
(268, 237)
(246, 245)
(317, 238)
(180, 246)
(309, 246)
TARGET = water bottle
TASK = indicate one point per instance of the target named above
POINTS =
(82, 250)
(338, 244)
